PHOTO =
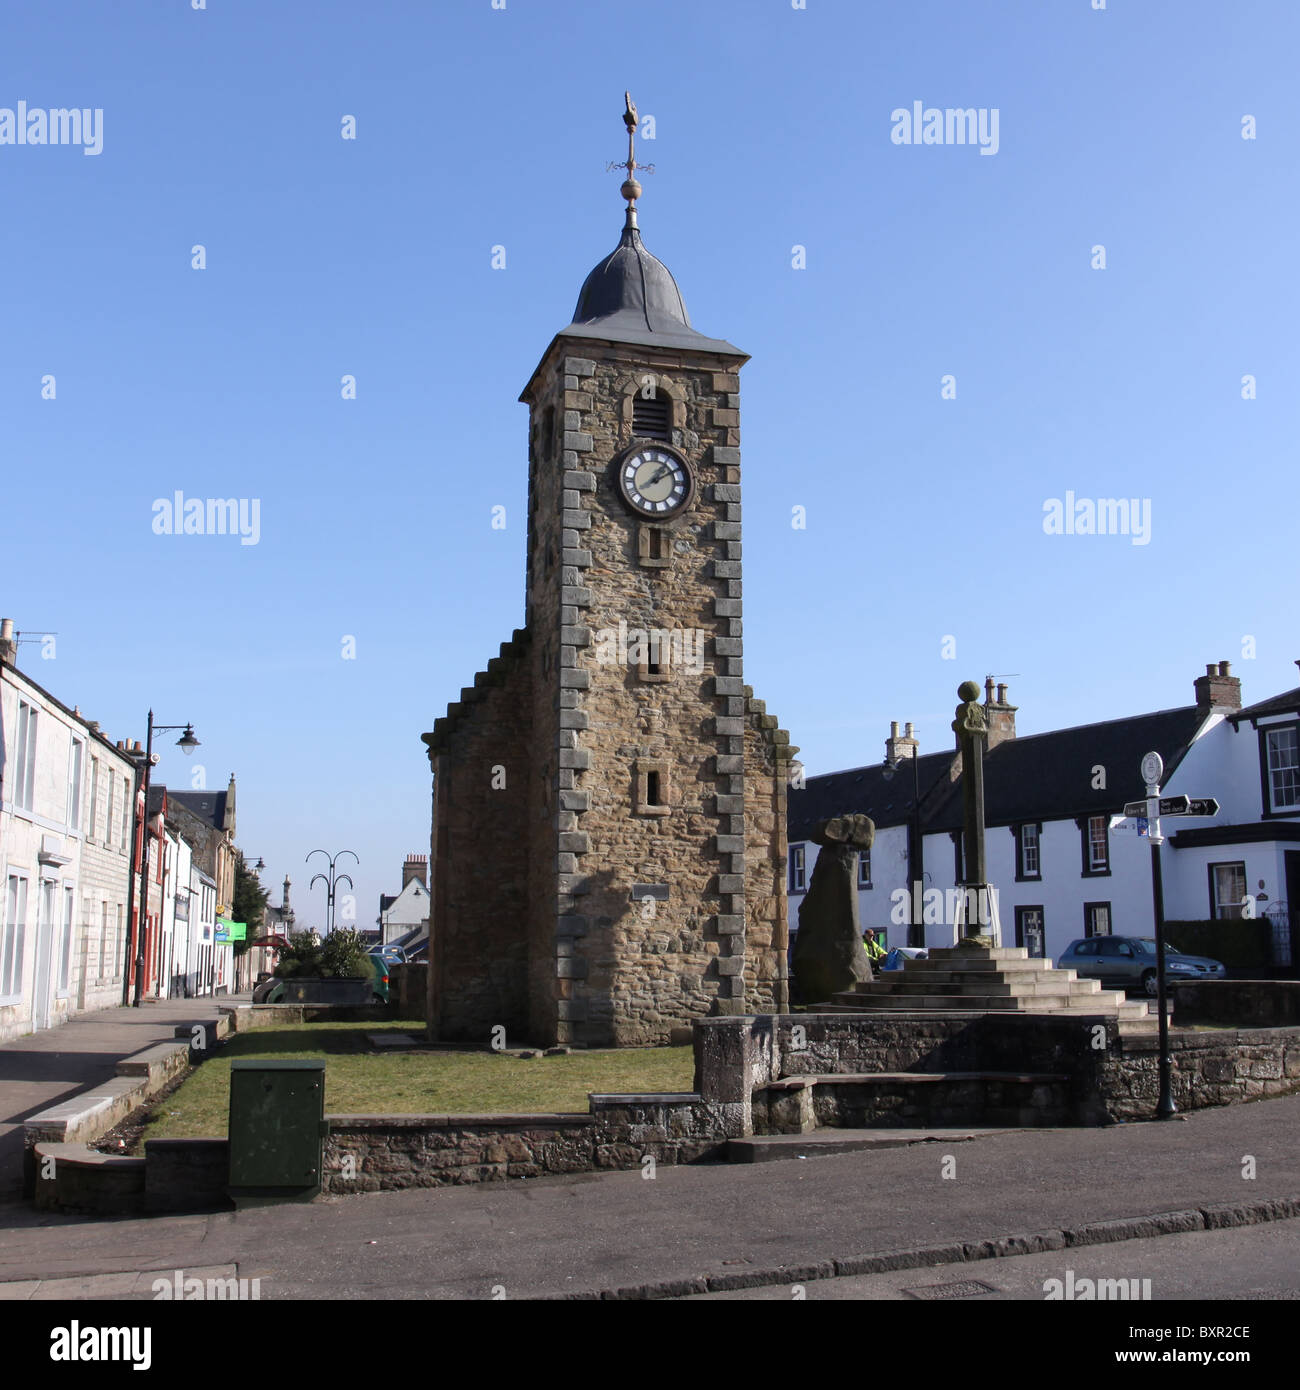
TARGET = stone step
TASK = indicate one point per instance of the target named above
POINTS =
(1108, 1002)
(1027, 966)
(953, 982)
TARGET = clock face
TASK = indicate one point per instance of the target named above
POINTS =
(654, 481)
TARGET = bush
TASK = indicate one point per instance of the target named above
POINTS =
(343, 956)
(302, 956)
(1240, 942)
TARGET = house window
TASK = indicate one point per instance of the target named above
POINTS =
(65, 954)
(105, 949)
(93, 823)
(1028, 862)
(120, 943)
(1282, 751)
(798, 874)
(74, 783)
(1227, 889)
(108, 816)
(25, 781)
(12, 936)
(1096, 919)
(1096, 844)
(1029, 929)
(126, 812)
(864, 868)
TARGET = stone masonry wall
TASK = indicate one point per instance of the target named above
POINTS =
(478, 948)
(627, 971)
(767, 933)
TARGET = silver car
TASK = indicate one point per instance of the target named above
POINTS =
(1129, 962)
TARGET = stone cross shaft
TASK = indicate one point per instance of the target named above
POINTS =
(972, 733)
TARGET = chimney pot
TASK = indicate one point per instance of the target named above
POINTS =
(1225, 669)
(893, 728)
(1211, 669)
(988, 690)
(1002, 694)
(910, 734)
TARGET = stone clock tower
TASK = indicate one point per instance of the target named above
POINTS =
(609, 805)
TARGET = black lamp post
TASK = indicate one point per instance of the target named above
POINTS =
(331, 881)
(135, 937)
(915, 850)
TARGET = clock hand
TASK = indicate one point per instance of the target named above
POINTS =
(663, 469)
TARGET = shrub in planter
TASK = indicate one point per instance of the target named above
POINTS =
(343, 956)
(302, 957)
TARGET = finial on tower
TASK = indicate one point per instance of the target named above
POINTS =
(631, 189)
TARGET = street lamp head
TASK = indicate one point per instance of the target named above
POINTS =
(187, 743)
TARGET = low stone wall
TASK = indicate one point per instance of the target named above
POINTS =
(1077, 1069)
(1223, 1067)
(246, 1016)
(1109, 1076)
(1238, 1003)
(372, 1153)
(408, 989)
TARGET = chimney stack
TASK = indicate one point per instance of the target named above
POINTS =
(416, 866)
(999, 715)
(899, 745)
(1218, 688)
(8, 643)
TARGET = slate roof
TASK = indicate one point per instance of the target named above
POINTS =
(1038, 777)
(207, 806)
(887, 801)
(1286, 703)
(631, 297)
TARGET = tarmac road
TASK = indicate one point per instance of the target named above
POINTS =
(618, 1234)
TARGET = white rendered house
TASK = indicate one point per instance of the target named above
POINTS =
(1064, 861)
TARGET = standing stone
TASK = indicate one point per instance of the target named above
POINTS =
(828, 952)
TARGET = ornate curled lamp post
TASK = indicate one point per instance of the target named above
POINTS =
(187, 743)
(331, 881)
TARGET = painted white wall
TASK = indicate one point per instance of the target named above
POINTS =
(410, 909)
(1222, 762)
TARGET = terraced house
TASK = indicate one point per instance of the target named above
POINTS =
(66, 816)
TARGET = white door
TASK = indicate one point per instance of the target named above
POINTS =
(43, 988)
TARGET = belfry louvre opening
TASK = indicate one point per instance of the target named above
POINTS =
(650, 417)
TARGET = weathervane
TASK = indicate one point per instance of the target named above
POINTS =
(631, 189)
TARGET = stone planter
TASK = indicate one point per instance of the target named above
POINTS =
(301, 990)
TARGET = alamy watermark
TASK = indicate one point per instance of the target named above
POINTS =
(936, 907)
(191, 1288)
(1074, 1290)
(950, 125)
(678, 649)
(1101, 516)
(179, 515)
(59, 125)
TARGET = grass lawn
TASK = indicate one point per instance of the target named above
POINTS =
(359, 1081)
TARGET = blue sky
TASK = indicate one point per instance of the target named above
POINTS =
(480, 127)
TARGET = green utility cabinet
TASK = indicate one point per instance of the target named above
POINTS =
(277, 1130)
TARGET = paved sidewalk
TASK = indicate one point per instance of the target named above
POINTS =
(595, 1233)
(43, 1068)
